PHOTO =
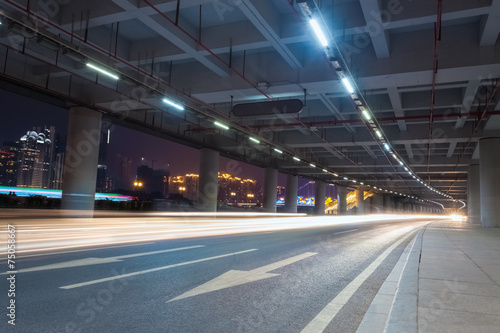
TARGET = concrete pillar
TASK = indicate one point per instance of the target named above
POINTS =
(319, 197)
(270, 189)
(291, 189)
(489, 173)
(389, 203)
(360, 202)
(341, 200)
(378, 203)
(209, 180)
(80, 164)
(473, 195)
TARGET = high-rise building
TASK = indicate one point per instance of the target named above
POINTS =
(58, 171)
(8, 164)
(153, 181)
(36, 158)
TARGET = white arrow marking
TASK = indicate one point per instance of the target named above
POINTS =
(122, 276)
(97, 261)
(236, 278)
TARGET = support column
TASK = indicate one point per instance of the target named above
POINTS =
(291, 191)
(389, 203)
(270, 189)
(80, 163)
(319, 197)
(378, 203)
(489, 171)
(474, 195)
(341, 200)
(209, 180)
(360, 202)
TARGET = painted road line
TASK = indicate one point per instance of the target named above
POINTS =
(235, 278)
(346, 231)
(321, 321)
(84, 250)
(97, 261)
(122, 276)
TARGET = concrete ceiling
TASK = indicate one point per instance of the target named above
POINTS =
(210, 55)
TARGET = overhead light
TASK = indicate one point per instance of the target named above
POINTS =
(278, 151)
(348, 85)
(345, 178)
(361, 183)
(324, 170)
(312, 165)
(216, 123)
(254, 140)
(366, 114)
(175, 105)
(103, 71)
(401, 162)
(336, 175)
(406, 169)
(319, 33)
(296, 158)
(354, 181)
(379, 134)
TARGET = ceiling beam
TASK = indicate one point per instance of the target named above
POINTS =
(395, 98)
(490, 28)
(468, 100)
(380, 37)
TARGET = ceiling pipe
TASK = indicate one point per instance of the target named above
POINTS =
(437, 42)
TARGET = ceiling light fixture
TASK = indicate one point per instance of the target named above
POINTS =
(319, 33)
(103, 71)
(175, 105)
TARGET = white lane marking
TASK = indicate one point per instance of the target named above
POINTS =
(84, 250)
(235, 278)
(97, 261)
(346, 231)
(321, 321)
(122, 276)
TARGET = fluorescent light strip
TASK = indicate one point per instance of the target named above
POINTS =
(175, 105)
(216, 123)
(319, 33)
(348, 85)
(254, 140)
(278, 151)
(296, 158)
(312, 165)
(105, 72)
(366, 114)
(379, 134)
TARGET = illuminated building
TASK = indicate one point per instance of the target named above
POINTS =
(36, 159)
(231, 190)
(8, 164)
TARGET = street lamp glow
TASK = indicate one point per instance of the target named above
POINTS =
(221, 125)
(103, 71)
(319, 33)
(175, 105)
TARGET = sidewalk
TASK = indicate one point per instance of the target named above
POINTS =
(447, 280)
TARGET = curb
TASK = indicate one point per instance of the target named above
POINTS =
(394, 308)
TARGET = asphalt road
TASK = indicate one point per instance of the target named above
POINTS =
(258, 281)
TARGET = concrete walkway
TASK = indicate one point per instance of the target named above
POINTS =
(447, 280)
